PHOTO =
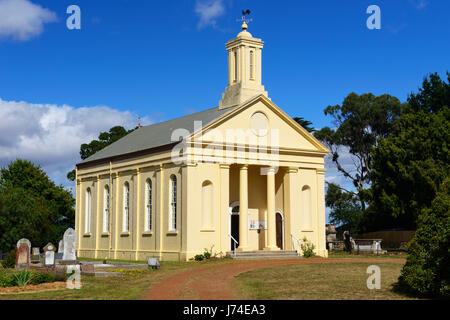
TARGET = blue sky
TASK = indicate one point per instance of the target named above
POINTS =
(164, 59)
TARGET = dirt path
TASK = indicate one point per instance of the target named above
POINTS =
(214, 282)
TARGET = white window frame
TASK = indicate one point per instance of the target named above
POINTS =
(88, 210)
(126, 207)
(106, 209)
(148, 205)
(173, 204)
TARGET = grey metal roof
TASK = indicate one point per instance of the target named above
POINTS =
(156, 135)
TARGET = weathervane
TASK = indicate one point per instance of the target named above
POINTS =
(243, 19)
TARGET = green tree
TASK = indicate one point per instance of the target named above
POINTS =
(32, 206)
(432, 96)
(104, 140)
(411, 164)
(427, 269)
(305, 124)
(345, 208)
(360, 121)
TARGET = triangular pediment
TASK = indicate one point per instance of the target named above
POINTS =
(261, 121)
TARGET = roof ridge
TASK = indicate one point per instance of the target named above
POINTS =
(185, 116)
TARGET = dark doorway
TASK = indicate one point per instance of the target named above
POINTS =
(279, 231)
(234, 227)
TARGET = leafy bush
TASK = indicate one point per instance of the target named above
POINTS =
(199, 257)
(307, 248)
(427, 269)
(5, 279)
(43, 277)
(10, 260)
(22, 278)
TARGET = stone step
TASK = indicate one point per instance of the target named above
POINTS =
(262, 253)
(254, 255)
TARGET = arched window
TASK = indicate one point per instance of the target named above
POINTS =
(306, 207)
(173, 204)
(88, 210)
(252, 64)
(148, 202)
(207, 204)
(106, 210)
(126, 207)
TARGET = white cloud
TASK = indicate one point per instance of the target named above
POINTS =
(334, 175)
(22, 19)
(419, 4)
(209, 11)
(51, 135)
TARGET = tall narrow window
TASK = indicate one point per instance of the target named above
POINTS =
(148, 201)
(235, 66)
(252, 65)
(88, 210)
(106, 210)
(173, 203)
(126, 207)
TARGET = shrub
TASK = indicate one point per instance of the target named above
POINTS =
(22, 278)
(427, 269)
(307, 248)
(199, 257)
(43, 277)
(5, 279)
(10, 260)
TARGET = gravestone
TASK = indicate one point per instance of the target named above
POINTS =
(61, 246)
(349, 243)
(23, 254)
(49, 250)
(35, 255)
(70, 244)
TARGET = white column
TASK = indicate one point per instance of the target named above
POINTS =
(321, 245)
(137, 228)
(98, 216)
(243, 208)
(224, 215)
(271, 222)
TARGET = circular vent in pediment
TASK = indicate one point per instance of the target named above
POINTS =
(259, 124)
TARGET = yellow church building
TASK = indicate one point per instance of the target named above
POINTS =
(241, 177)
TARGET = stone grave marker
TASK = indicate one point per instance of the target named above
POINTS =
(23, 254)
(49, 250)
(70, 244)
(61, 246)
(35, 255)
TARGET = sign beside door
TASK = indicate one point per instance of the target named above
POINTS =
(257, 224)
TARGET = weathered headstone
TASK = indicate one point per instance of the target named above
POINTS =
(49, 250)
(61, 246)
(35, 255)
(23, 254)
(70, 244)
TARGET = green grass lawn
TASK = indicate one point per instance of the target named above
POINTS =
(334, 281)
(126, 287)
(314, 281)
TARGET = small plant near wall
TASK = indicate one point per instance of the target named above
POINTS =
(307, 248)
(199, 257)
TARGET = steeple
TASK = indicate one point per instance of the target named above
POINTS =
(244, 68)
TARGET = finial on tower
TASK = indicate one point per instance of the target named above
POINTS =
(244, 20)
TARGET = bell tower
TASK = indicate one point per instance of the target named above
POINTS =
(244, 68)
